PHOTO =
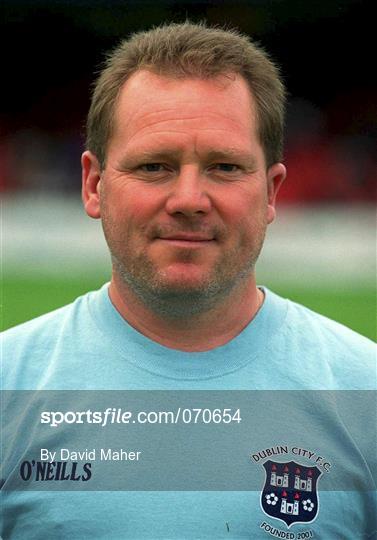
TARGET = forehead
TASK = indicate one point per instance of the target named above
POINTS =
(149, 102)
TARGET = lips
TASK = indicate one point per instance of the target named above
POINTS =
(187, 238)
(194, 235)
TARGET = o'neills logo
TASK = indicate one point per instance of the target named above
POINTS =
(42, 471)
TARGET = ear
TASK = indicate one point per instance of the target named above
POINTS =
(91, 181)
(275, 177)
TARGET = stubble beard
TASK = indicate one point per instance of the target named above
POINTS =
(183, 301)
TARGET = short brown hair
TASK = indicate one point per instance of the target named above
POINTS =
(190, 50)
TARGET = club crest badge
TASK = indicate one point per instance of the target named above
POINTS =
(290, 492)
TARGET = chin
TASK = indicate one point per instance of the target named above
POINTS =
(183, 275)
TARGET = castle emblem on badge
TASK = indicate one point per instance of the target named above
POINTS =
(290, 492)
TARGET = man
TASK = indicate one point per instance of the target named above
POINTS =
(183, 167)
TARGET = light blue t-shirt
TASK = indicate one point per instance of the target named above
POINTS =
(285, 350)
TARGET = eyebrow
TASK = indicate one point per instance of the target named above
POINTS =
(233, 154)
(151, 156)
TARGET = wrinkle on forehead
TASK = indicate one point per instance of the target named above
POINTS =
(164, 130)
(131, 123)
(157, 120)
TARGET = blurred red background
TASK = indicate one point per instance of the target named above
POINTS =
(54, 48)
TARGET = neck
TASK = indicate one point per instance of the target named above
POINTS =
(199, 332)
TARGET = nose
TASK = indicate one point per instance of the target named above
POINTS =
(188, 195)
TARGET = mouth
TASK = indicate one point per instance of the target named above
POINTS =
(186, 240)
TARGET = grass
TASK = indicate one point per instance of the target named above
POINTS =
(353, 307)
(28, 297)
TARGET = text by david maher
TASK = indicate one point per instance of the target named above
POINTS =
(103, 454)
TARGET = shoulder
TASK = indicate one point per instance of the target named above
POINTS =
(41, 329)
(312, 325)
(347, 357)
(29, 349)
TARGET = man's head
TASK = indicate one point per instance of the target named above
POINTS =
(184, 192)
(190, 51)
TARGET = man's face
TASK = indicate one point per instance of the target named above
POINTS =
(185, 196)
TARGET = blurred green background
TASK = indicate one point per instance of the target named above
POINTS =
(320, 256)
(25, 298)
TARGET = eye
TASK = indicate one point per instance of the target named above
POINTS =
(151, 167)
(227, 167)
